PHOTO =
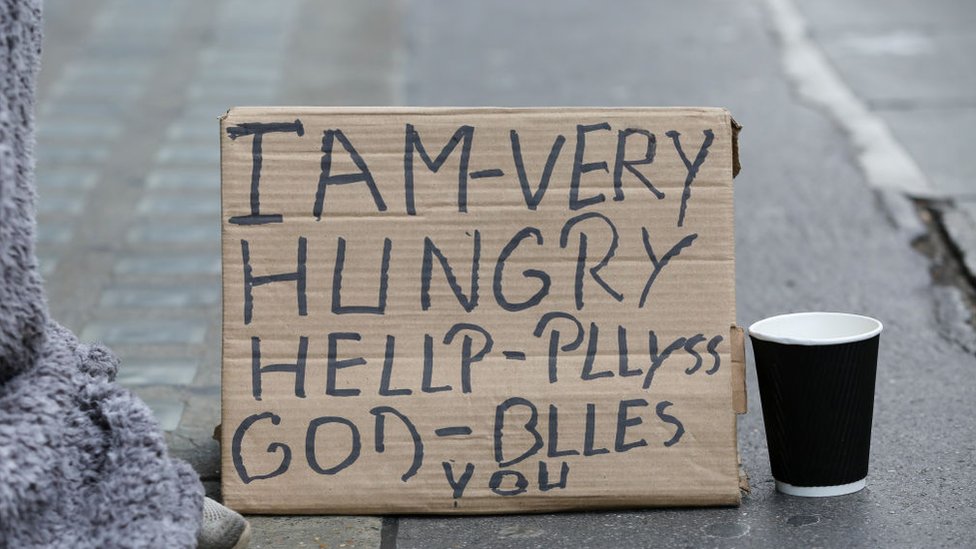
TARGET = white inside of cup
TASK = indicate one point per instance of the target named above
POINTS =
(815, 328)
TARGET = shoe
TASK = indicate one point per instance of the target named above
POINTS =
(222, 528)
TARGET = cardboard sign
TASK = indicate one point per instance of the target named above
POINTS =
(477, 310)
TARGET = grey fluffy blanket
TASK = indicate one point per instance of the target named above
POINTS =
(82, 461)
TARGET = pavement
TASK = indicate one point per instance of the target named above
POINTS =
(129, 209)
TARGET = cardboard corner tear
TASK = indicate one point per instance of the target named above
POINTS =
(744, 486)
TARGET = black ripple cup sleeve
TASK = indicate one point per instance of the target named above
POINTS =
(816, 374)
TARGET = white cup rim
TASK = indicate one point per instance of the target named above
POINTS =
(815, 328)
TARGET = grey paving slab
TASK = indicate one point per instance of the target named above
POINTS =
(161, 297)
(100, 107)
(135, 373)
(60, 203)
(314, 532)
(88, 86)
(125, 49)
(198, 204)
(78, 129)
(138, 22)
(71, 21)
(171, 178)
(367, 46)
(62, 155)
(206, 154)
(233, 90)
(192, 129)
(80, 91)
(169, 264)
(213, 109)
(228, 69)
(171, 233)
(145, 331)
(52, 233)
(105, 71)
(76, 179)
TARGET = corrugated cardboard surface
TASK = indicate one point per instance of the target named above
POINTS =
(343, 447)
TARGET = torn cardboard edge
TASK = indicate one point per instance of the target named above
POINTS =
(738, 355)
(744, 486)
(739, 394)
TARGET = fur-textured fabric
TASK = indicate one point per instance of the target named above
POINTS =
(82, 461)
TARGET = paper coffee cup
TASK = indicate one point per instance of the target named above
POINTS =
(816, 376)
